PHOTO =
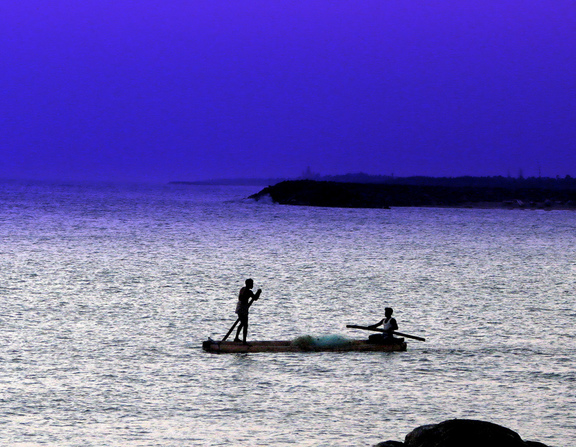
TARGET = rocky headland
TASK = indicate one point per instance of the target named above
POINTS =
(376, 195)
(462, 433)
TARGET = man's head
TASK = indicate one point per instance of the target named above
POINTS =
(388, 311)
(249, 283)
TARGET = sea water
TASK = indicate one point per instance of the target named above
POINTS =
(107, 292)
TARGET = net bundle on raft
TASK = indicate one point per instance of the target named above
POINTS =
(322, 341)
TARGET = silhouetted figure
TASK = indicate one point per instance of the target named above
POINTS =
(388, 324)
(243, 306)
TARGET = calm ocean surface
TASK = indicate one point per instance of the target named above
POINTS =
(107, 293)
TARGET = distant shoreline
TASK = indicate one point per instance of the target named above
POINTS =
(231, 182)
(384, 196)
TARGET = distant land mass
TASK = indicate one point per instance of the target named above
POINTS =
(233, 182)
(379, 191)
(461, 192)
(493, 181)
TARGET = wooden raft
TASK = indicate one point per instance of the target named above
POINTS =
(228, 347)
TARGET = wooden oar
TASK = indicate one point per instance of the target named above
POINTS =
(238, 320)
(368, 328)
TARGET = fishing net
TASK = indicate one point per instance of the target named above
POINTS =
(309, 342)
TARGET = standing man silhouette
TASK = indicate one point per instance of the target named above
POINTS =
(243, 306)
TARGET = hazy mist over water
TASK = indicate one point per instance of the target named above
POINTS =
(109, 290)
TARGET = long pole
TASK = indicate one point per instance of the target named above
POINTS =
(238, 320)
(368, 328)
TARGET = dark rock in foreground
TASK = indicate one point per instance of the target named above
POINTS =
(462, 433)
(361, 195)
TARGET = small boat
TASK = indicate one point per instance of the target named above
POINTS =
(302, 344)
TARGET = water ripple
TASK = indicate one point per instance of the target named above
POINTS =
(109, 291)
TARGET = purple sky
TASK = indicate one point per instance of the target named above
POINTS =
(194, 89)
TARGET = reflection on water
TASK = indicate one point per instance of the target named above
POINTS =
(108, 293)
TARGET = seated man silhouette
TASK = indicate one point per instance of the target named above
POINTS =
(388, 324)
